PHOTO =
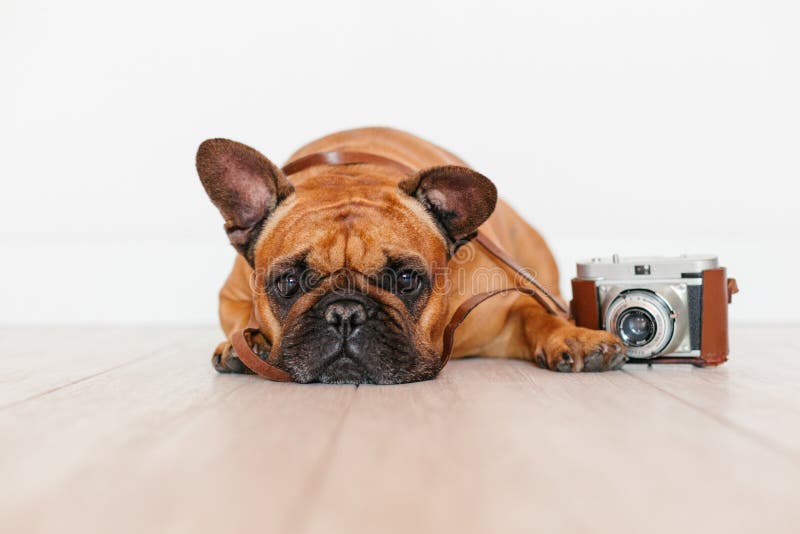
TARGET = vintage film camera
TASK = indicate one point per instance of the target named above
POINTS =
(665, 310)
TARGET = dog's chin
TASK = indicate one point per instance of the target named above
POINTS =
(344, 370)
(348, 371)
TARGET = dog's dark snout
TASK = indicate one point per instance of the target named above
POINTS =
(345, 315)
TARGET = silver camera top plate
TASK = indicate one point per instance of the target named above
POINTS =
(645, 267)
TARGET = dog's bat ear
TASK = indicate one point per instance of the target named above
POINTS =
(245, 187)
(459, 198)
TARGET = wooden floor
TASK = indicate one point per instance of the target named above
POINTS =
(130, 430)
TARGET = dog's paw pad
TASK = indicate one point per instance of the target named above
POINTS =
(618, 359)
(216, 362)
(593, 362)
(227, 361)
(566, 365)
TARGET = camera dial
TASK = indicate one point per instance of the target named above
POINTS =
(643, 320)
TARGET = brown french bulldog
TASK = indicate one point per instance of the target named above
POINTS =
(353, 271)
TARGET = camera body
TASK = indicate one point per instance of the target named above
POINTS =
(665, 309)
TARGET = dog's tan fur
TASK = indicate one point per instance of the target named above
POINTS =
(349, 216)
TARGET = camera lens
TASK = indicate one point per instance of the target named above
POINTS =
(636, 327)
(643, 320)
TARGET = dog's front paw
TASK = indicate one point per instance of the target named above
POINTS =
(572, 349)
(225, 360)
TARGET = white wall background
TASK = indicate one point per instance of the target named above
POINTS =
(627, 126)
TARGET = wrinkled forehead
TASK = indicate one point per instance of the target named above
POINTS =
(353, 233)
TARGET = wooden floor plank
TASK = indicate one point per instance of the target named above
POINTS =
(504, 447)
(757, 391)
(163, 443)
(37, 360)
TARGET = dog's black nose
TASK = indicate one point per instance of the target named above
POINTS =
(345, 316)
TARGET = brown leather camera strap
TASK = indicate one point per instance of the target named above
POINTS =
(253, 361)
(538, 292)
(473, 302)
(337, 157)
(552, 304)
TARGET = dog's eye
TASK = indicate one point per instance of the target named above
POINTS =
(408, 282)
(287, 285)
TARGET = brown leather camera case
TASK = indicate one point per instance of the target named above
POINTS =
(717, 292)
